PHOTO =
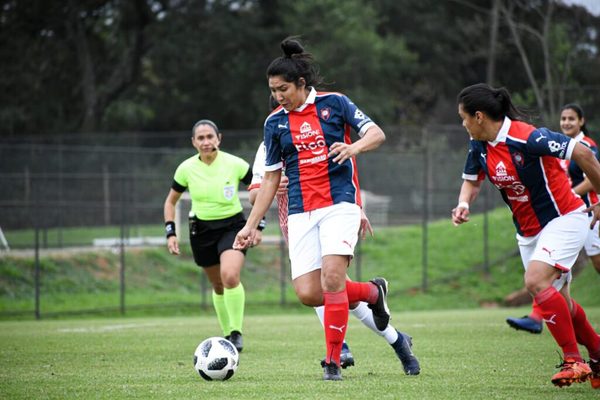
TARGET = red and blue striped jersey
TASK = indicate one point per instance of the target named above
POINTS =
(523, 163)
(301, 139)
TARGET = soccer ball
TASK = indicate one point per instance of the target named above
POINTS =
(216, 358)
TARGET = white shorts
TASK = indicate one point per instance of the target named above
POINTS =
(592, 243)
(331, 230)
(558, 244)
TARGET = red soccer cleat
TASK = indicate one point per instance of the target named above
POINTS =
(571, 371)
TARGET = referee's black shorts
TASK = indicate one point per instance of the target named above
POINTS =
(210, 238)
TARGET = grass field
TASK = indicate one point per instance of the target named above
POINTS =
(469, 354)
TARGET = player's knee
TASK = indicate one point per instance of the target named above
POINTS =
(309, 298)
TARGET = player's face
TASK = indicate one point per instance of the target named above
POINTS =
(289, 95)
(470, 123)
(205, 139)
(570, 123)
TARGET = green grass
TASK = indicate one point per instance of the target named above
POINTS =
(465, 354)
(158, 283)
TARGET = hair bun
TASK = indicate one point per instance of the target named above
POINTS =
(291, 47)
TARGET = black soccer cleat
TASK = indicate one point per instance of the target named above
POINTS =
(236, 339)
(381, 312)
(346, 357)
(331, 371)
(403, 348)
(526, 324)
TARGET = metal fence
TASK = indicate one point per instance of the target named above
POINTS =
(86, 192)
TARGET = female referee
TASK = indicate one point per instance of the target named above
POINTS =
(212, 177)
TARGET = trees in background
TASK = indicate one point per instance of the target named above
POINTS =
(122, 65)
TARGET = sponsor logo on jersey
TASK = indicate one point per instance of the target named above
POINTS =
(310, 139)
(500, 169)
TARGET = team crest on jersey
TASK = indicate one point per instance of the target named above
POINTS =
(228, 192)
(325, 113)
(518, 158)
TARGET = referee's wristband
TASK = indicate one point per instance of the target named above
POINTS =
(170, 229)
(262, 224)
(463, 204)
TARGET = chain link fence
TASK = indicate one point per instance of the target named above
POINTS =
(75, 193)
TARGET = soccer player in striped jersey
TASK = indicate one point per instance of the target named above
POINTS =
(552, 223)
(310, 133)
(400, 341)
(572, 124)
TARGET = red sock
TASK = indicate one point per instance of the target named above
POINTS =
(361, 291)
(585, 334)
(536, 313)
(336, 322)
(555, 312)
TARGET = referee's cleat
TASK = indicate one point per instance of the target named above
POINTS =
(236, 339)
(526, 324)
(331, 371)
(381, 312)
(403, 348)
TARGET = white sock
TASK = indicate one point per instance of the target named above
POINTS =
(365, 315)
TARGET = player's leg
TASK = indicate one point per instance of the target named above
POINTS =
(234, 295)
(205, 253)
(213, 274)
(399, 341)
(592, 247)
(556, 251)
(346, 358)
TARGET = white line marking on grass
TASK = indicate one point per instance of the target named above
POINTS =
(105, 328)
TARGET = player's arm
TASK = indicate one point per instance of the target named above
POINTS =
(365, 225)
(584, 187)
(588, 163)
(468, 193)
(264, 197)
(169, 215)
(372, 139)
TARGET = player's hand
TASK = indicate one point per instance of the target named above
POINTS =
(244, 238)
(365, 226)
(283, 184)
(595, 210)
(173, 245)
(257, 238)
(342, 151)
(460, 215)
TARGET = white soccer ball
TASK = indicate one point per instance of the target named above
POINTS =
(216, 358)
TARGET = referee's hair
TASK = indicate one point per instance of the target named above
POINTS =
(205, 122)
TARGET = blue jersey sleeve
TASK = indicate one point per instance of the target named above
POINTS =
(544, 142)
(473, 170)
(353, 116)
(273, 146)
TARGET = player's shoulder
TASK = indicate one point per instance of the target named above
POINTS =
(228, 157)
(588, 141)
(275, 116)
(521, 131)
